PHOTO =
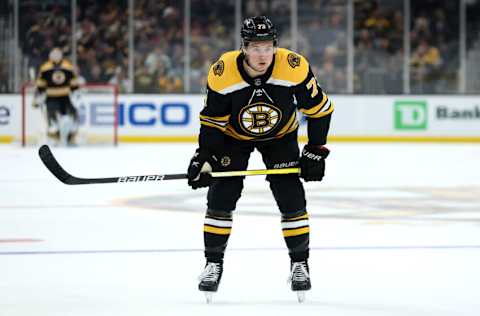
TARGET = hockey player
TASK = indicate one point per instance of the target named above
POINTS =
(55, 86)
(253, 95)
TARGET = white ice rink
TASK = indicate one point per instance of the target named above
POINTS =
(395, 231)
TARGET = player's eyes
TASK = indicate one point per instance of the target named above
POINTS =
(259, 50)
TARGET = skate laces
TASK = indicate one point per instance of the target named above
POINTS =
(299, 272)
(211, 272)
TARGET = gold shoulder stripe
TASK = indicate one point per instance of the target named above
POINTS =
(67, 65)
(224, 73)
(46, 66)
(289, 67)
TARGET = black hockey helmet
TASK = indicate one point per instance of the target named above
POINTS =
(258, 28)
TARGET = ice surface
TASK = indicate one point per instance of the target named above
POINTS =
(395, 231)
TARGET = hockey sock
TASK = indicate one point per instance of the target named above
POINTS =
(216, 230)
(296, 232)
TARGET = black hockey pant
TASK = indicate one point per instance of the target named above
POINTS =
(287, 190)
(59, 105)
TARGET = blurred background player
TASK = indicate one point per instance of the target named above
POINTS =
(252, 99)
(56, 87)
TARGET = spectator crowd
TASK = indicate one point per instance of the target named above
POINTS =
(159, 62)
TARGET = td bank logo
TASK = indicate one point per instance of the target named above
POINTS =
(411, 115)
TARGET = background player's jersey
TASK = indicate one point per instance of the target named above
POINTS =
(57, 79)
(264, 107)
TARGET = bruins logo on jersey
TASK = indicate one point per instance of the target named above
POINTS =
(293, 60)
(218, 68)
(58, 77)
(259, 118)
(225, 161)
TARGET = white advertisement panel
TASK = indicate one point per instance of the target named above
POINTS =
(406, 116)
(175, 117)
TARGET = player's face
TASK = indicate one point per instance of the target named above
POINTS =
(260, 55)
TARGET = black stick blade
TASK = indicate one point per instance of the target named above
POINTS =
(52, 164)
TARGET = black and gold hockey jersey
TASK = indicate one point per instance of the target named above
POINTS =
(57, 79)
(265, 107)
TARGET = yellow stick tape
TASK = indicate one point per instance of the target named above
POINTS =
(254, 172)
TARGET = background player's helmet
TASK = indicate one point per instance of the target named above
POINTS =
(258, 28)
(55, 55)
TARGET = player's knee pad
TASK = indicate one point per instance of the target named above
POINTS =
(288, 192)
(223, 194)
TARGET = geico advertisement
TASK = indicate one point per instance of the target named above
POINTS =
(136, 114)
(146, 114)
(8, 104)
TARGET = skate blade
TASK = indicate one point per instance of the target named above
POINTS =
(301, 296)
(208, 297)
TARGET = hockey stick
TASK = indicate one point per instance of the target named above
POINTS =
(52, 164)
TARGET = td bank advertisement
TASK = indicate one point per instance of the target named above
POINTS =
(408, 117)
(438, 116)
(356, 118)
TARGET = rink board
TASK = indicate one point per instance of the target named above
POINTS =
(174, 118)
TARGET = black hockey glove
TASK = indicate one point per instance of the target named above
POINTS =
(312, 162)
(202, 162)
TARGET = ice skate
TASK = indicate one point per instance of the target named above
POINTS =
(210, 279)
(299, 279)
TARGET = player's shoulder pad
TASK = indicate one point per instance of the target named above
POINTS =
(66, 64)
(46, 66)
(223, 76)
(290, 68)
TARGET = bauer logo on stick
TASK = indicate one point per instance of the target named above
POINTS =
(141, 178)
